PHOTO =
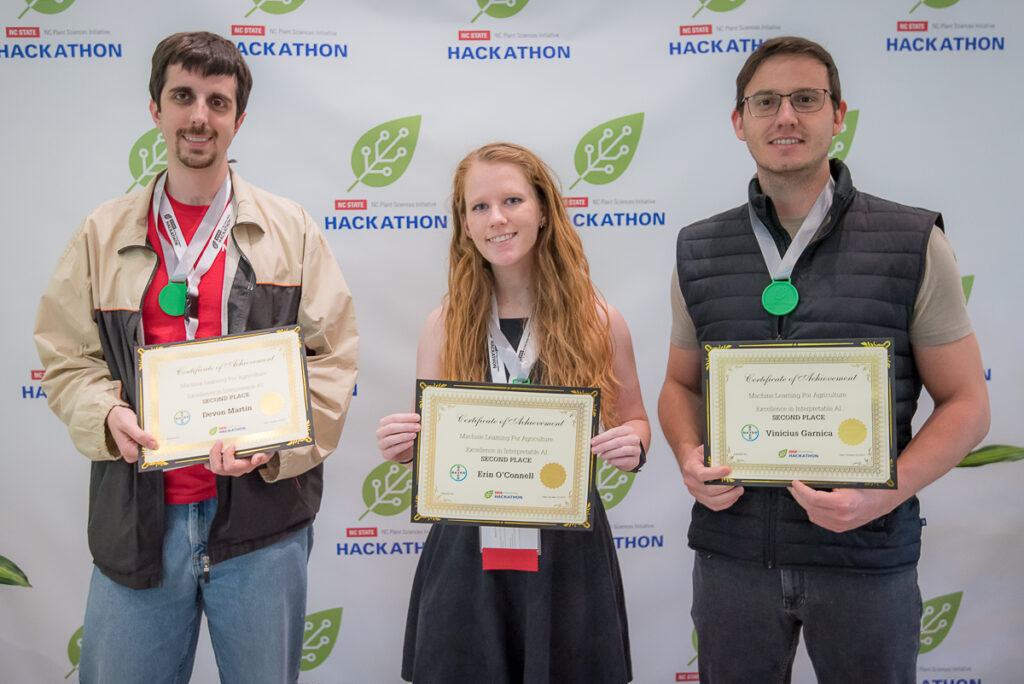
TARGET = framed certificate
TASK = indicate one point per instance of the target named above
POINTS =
(249, 390)
(815, 411)
(492, 454)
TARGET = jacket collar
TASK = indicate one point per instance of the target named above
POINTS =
(135, 235)
(841, 199)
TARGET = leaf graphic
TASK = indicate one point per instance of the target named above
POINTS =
(387, 490)
(10, 573)
(612, 484)
(75, 650)
(606, 151)
(993, 453)
(783, 452)
(693, 638)
(718, 5)
(320, 636)
(934, 4)
(275, 6)
(383, 154)
(147, 158)
(489, 493)
(499, 9)
(844, 140)
(47, 6)
(936, 618)
(967, 282)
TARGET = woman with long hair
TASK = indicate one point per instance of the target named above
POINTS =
(518, 280)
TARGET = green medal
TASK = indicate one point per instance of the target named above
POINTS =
(779, 298)
(172, 298)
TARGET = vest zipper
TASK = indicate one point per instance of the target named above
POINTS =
(769, 536)
(206, 569)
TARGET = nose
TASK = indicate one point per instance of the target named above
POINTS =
(786, 113)
(199, 114)
(497, 215)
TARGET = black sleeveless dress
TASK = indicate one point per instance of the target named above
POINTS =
(563, 624)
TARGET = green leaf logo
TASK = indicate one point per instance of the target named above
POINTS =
(604, 153)
(993, 453)
(213, 431)
(844, 140)
(612, 484)
(320, 636)
(967, 282)
(75, 650)
(387, 490)
(936, 618)
(147, 158)
(489, 493)
(10, 573)
(383, 154)
(934, 4)
(718, 5)
(693, 640)
(499, 9)
(275, 6)
(783, 452)
(46, 6)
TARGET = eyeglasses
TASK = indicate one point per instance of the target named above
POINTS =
(804, 101)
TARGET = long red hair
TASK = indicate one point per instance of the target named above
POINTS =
(569, 319)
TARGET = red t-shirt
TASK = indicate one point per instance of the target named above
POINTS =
(192, 483)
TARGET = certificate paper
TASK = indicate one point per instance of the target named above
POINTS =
(815, 411)
(249, 390)
(504, 454)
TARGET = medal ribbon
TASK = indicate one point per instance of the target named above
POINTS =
(781, 268)
(187, 263)
(507, 364)
(507, 548)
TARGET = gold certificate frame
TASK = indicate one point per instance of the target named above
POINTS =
(494, 454)
(818, 411)
(250, 390)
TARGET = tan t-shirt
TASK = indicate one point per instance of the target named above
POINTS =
(940, 310)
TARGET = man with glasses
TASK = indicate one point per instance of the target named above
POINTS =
(839, 564)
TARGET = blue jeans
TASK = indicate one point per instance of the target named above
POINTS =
(857, 627)
(255, 606)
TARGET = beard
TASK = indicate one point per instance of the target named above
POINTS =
(193, 159)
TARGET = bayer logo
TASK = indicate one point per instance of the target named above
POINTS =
(458, 472)
(750, 432)
(182, 417)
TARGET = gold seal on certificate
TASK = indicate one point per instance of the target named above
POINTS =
(492, 454)
(815, 411)
(249, 390)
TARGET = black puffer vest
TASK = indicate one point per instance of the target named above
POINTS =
(859, 277)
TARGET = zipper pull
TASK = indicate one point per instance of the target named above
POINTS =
(206, 569)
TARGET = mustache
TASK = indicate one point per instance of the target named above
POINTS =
(201, 131)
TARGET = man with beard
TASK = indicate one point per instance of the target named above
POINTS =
(197, 253)
(839, 564)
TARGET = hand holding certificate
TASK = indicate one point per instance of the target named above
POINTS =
(819, 412)
(249, 390)
(504, 454)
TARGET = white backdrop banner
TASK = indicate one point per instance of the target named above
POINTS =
(360, 111)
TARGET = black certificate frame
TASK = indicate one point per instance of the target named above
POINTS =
(713, 446)
(146, 461)
(417, 515)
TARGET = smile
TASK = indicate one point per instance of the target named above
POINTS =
(786, 141)
(196, 140)
(501, 238)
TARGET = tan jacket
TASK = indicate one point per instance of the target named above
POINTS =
(279, 271)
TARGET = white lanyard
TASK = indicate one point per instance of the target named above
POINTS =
(187, 263)
(781, 268)
(505, 363)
